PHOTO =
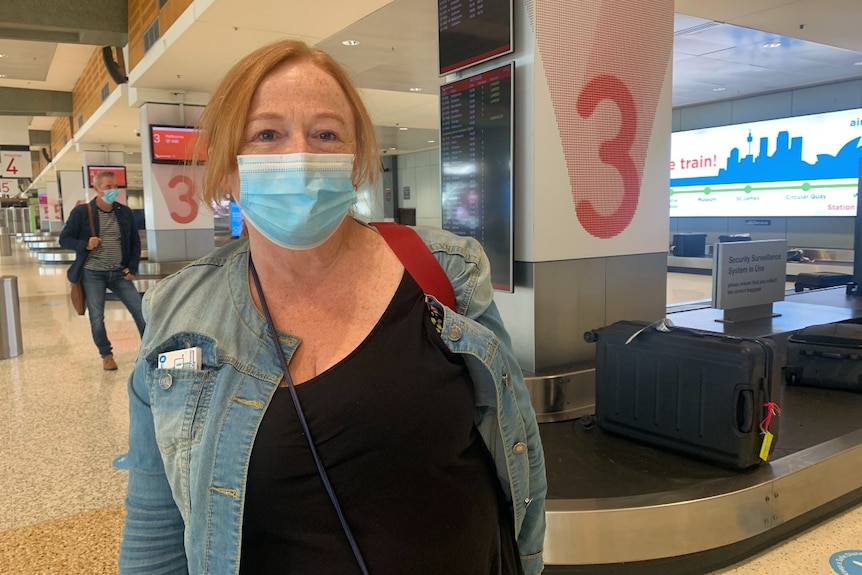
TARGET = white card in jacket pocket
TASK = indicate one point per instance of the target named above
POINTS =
(189, 358)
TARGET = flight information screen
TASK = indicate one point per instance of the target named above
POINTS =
(476, 163)
(472, 31)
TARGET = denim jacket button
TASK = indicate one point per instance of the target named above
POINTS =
(165, 381)
(506, 379)
(455, 333)
(519, 447)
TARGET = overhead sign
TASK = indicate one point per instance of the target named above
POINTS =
(8, 186)
(15, 162)
(797, 166)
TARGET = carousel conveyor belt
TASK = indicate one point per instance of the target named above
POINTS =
(616, 506)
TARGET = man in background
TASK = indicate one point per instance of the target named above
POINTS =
(107, 258)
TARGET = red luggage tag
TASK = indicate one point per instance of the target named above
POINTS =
(772, 409)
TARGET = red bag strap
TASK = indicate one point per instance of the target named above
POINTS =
(418, 260)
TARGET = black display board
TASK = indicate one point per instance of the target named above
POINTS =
(472, 31)
(476, 135)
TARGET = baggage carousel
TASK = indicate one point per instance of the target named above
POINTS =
(616, 506)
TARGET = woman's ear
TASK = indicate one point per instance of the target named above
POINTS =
(230, 185)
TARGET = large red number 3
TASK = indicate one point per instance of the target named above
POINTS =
(187, 198)
(615, 153)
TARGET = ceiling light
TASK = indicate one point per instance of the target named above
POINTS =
(772, 45)
(403, 129)
(2, 55)
(719, 89)
(351, 42)
(2, 75)
(430, 141)
(393, 148)
(415, 89)
(857, 63)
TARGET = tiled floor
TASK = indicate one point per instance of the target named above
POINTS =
(64, 420)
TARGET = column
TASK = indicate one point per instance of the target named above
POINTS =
(179, 227)
(592, 126)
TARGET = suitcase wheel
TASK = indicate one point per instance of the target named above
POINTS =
(591, 336)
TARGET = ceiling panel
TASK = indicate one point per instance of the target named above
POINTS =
(22, 60)
(61, 73)
(307, 18)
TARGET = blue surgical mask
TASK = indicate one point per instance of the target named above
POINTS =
(110, 196)
(296, 200)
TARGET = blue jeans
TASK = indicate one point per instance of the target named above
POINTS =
(95, 283)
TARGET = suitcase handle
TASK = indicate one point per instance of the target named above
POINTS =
(745, 411)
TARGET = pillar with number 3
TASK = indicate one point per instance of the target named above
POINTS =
(605, 94)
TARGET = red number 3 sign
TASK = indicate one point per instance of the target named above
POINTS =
(616, 153)
(177, 186)
(185, 199)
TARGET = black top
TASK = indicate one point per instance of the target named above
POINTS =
(393, 423)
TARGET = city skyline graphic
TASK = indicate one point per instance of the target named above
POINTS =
(785, 164)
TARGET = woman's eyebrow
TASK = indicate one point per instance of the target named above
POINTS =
(265, 116)
(331, 116)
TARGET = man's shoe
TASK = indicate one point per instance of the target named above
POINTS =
(108, 363)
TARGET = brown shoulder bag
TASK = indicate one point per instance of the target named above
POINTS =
(79, 299)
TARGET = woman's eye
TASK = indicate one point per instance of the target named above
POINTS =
(265, 135)
(328, 136)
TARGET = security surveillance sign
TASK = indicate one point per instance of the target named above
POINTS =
(748, 273)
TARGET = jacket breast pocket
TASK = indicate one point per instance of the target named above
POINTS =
(180, 397)
(180, 401)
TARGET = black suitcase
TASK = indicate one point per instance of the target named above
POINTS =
(690, 245)
(699, 393)
(828, 355)
(815, 280)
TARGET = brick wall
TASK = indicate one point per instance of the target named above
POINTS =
(170, 12)
(86, 99)
(87, 94)
(62, 127)
(142, 13)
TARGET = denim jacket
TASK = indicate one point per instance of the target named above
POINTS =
(191, 432)
(76, 233)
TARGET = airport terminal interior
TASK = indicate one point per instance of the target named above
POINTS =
(65, 424)
(91, 87)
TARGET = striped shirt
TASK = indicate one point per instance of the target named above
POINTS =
(109, 254)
